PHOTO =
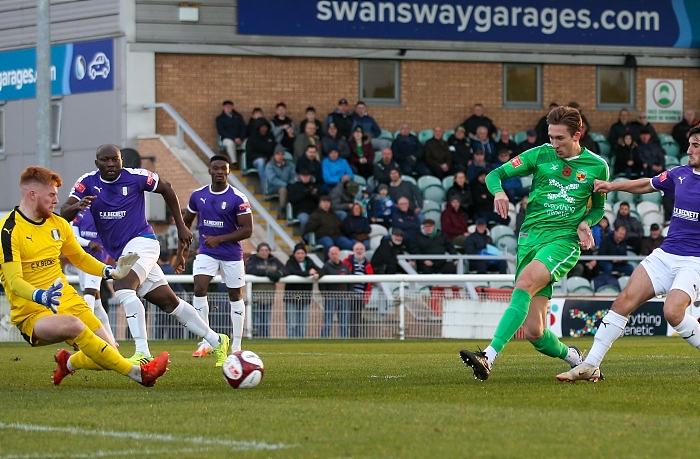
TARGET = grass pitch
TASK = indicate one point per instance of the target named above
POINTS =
(321, 399)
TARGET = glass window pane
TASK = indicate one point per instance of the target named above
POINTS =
(55, 125)
(615, 86)
(521, 84)
(379, 81)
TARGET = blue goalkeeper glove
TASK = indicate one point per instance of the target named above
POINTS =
(49, 297)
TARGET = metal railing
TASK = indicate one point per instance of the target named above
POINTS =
(182, 128)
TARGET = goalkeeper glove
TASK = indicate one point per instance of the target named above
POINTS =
(123, 267)
(49, 297)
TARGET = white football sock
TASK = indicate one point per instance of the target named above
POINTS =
(610, 328)
(491, 354)
(201, 305)
(689, 330)
(90, 300)
(135, 318)
(189, 317)
(101, 314)
(237, 319)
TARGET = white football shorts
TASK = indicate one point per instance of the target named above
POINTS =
(89, 281)
(668, 272)
(146, 267)
(232, 272)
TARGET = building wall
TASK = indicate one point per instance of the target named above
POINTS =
(432, 93)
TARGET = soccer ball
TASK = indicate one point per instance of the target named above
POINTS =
(243, 369)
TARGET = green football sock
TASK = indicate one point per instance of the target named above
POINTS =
(512, 319)
(550, 345)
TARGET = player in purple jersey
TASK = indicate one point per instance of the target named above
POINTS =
(116, 199)
(673, 269)
(86, 233)
(224, 219)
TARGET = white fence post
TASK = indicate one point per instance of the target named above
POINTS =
(248, 309)
(402, 312)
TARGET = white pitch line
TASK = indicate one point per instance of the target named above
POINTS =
(235, 444)
(126, 453)
(388, 376)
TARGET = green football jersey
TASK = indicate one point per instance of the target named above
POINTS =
(560, 191)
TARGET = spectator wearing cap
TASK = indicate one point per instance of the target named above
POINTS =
(478, 165)
(506, 142)
(303, 195)
(380, 207)
(361, 153)
(333, 139)
(282, 125)
(342, 118)
(356, 226)
(437, 154)
(311, 118)
(297, 297)
(461, 149)
(529, 142)
(327, 226)
(432, 241)
(260, 147)
(385, 259)
(308, 137)
(621, 127)
(642, 122)
(343, 198)
(399, 188)
(476, 244)
(478, 119)
(263, 263)
(483, 200)
(653, 241)
(408, 152)
(369, 126)
(256, 114)
(483, 142)
(405, 220)
(231, 128)
(454, 222)
(336, 169)
(652, 155)
(311, 162)
(384, 166)
(279, 174)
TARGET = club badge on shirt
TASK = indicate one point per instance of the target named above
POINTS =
(223, 205)
(55, 234)
(125, 190)
(580, 175)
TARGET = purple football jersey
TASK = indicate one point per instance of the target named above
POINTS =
(684, 184)
(86, 226)
(217, 214)
(119, 209)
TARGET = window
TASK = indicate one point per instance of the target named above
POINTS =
(615, 88)
(379, 82)
(2, 130)
(522, 86)
(56, 108)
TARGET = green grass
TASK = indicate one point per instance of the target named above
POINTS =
(359, 399)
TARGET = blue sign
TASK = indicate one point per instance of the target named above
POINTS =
(75, 68)
(666, 23)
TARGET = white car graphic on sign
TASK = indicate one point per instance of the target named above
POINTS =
(99, 66)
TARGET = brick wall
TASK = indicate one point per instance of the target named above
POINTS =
(431, 92)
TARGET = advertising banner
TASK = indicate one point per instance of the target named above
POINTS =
(75, 68)
(668, 23)
(664, 101)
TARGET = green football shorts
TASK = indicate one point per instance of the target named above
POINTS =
(559, 256)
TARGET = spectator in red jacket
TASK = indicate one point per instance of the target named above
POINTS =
(361, 291)
(454, 223)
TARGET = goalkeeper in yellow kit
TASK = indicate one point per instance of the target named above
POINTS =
(555, 225)
(45, 308)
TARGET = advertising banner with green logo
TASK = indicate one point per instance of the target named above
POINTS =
(664, 101)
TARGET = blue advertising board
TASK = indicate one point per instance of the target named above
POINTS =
(668, 23)
(75, 68)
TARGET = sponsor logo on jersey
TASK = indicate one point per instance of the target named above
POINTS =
(516, 162)
(244, 206)
(566, 172)
(41, 264)
(55, 234)
(685, 214)
(79, 187)
(663, 176)
(125, 190)
(213, 223)
(88, 234)
(118, 215)
(223, 205)
(150, 179)
(580, 175)
(563, 190)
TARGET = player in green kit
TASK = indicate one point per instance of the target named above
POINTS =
(557, 224)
